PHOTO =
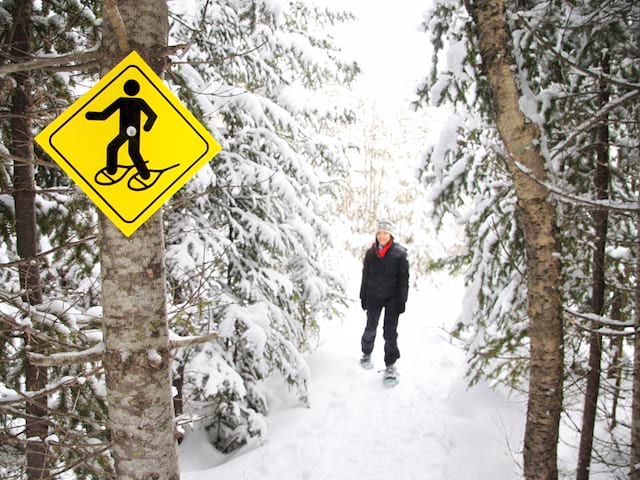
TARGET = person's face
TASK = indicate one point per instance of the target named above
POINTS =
(383, 237)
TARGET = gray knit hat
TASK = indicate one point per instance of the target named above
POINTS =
(386, 226)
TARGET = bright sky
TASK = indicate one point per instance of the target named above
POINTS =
(385, 41)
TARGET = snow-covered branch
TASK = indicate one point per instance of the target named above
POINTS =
(183, 342)
(26, 327)
(92, 354)
(10, 397)
(607, 326)
(95, 353)
(573, 63)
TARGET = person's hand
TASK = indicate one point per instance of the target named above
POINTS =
(401, 306)
(363, 304)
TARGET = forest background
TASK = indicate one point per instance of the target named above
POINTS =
(537, 163)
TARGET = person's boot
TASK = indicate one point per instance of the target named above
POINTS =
(390, 375)
(365, 361)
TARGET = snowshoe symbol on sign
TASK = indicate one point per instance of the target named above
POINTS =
(130, 109)
(129, 143)
(136, 182)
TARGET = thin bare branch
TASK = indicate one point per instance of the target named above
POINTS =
(24, 161)
(554, 190)
(42, 63)
(49, 252)
(593, 120)
(73, 62)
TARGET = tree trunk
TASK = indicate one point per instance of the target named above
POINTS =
(178, 384)
(614, 370)
(24, 195)
(137, 358)
(538, 219)
(600, 220)
(634, 464)
(634, 467)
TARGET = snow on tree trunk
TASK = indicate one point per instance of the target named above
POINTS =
(538, 219)
(137, 358)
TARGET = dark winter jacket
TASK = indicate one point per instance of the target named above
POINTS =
(385, 280)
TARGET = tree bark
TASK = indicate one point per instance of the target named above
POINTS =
(24, 195)
(600, 220)
(538, 219)
(614, 370)
(136, 334)
(634, 466)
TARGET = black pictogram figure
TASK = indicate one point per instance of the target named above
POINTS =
(130, 110)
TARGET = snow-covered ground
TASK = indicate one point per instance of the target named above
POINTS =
(430, 426)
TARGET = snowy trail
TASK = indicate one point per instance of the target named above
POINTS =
(427, 427)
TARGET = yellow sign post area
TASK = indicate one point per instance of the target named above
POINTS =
(129, 143)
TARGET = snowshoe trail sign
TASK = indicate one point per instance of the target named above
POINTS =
(129, 143)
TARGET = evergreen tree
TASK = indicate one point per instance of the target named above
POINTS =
(558, 51)
(247, 249)
(71, 397)
(246, 242)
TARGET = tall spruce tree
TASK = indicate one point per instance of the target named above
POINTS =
(557, 48)
(246, 254)
(245, 242)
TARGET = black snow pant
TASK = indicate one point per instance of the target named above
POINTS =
(389, 330)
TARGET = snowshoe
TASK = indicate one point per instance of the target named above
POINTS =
(365, 362)
(390, 377)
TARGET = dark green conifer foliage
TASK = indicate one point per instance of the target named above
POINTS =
(244, 237)
(254, 229)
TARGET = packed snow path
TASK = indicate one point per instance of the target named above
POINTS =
(429, 426)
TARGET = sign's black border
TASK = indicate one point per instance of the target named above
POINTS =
(89, 184)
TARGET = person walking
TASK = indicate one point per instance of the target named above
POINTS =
(385, 285)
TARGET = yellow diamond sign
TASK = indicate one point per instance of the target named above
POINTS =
(129, 143)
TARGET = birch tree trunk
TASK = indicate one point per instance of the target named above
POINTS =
(538, 219)
(24, 195)
(137, 357)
